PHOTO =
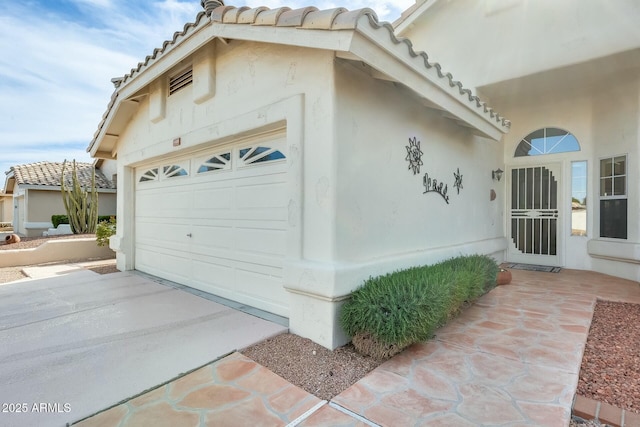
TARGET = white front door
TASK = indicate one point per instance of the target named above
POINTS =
(534, 225)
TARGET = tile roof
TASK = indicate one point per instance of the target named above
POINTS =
(303, 18)
(48, 174)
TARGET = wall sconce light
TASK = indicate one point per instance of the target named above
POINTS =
(496, 174)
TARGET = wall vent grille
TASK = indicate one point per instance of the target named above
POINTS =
(181, 80)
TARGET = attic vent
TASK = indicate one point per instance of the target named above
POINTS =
(180, 81)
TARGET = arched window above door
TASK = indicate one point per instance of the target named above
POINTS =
(547, 141)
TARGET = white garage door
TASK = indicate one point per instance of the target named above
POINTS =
(216, 221)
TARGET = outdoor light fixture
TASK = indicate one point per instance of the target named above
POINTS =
(496, 174)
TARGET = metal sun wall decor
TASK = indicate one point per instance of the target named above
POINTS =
(432, 185)
(458, 180)
(414, 155)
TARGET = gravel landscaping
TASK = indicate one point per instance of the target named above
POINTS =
(610, 370)
(313, 368)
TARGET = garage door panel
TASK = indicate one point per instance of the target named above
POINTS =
(212, 274)
(261, 196)
(174, 204)
(163, 234)
(261, 289)
(205, 237)
(235, 258)
(167, 265)
(261, 240)
(221, 232)
(268, 217)
(213, 198)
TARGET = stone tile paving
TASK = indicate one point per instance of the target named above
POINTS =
(233, 391)
(512, 359)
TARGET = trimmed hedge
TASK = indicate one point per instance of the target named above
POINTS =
(56, 220)
(393, 311)
(63, 219)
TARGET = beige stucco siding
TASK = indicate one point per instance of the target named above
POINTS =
(44, 203)
(382, 211)
(6, 209)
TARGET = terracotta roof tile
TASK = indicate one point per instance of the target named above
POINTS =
(304, 18)
(48, 174)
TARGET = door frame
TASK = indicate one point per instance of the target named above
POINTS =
(512, 253)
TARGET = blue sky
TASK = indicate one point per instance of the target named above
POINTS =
(58, 58)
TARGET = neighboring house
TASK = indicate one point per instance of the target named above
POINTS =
(279, 158)
(567, 74)
(6, 207)
(36, 195)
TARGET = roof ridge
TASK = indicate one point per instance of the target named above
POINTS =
(47, 173)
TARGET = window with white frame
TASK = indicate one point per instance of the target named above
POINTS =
(613, 197)
(547, 141)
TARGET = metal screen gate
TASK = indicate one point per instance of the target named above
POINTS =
(534, 214)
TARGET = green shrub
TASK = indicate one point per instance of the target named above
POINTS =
(104, 230)
(56, 220)
(405, 307)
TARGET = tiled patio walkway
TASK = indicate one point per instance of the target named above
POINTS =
(512, 359)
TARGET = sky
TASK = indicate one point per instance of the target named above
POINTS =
(57, 59)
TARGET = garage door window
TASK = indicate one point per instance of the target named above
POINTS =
(219, 162)
(259, 155)
(174, 171)
(150, 175)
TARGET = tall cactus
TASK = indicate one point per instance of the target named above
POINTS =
(81, 205)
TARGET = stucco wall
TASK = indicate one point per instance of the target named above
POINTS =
(40, 205)
(109, 168)
(382, 211)
(43, 204)
(383, 219)
(482, 42)
(6, 209)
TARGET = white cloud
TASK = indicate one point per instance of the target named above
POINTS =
(55, 68)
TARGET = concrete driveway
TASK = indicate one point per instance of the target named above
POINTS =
(74, 344)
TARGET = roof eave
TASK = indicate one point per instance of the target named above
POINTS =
(105, 141)
(409, 16)
(44, 187)
(375, 45)
(124, 102)
(412, 69)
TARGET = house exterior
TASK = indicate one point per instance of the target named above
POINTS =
(280, 157)
(34, 191)
(6, 207)
(567, 74)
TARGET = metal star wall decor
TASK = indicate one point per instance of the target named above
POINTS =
(414, 155)
(458, 178)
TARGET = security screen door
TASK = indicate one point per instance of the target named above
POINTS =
(534, 215)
